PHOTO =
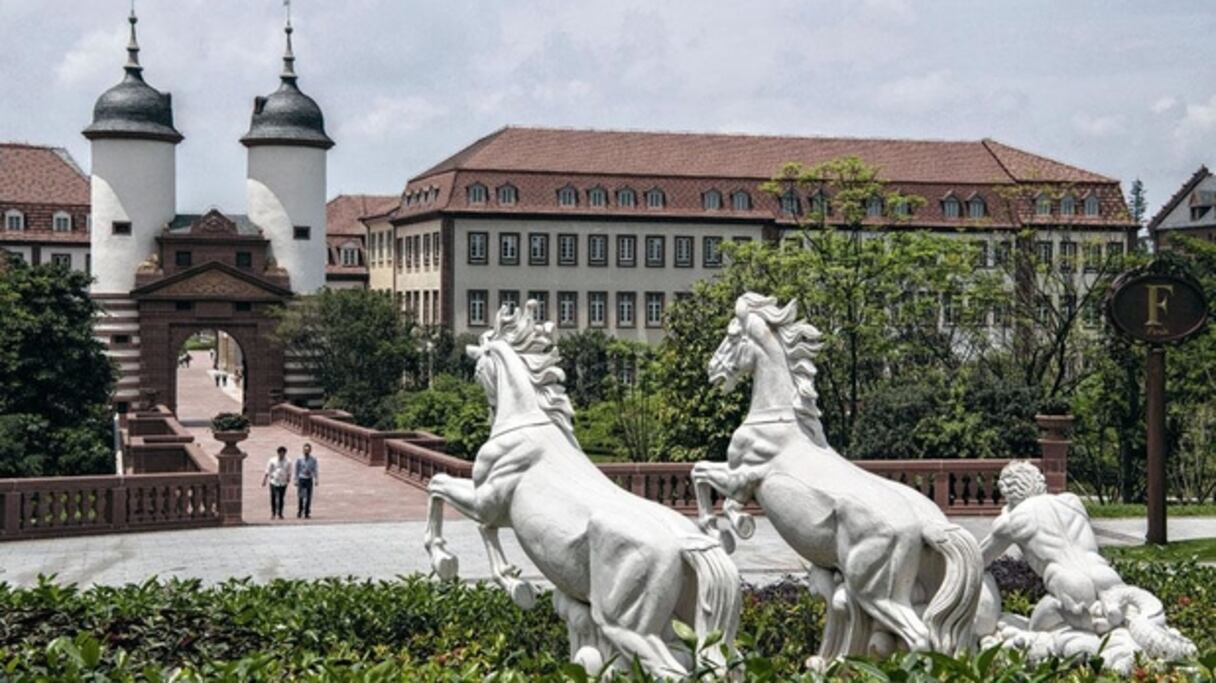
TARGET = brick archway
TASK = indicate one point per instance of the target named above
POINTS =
(263, 381)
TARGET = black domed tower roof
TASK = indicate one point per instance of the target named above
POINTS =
(287, 117)
(133, 109)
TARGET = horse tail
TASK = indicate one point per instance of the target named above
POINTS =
(719, 594)
(950, 615)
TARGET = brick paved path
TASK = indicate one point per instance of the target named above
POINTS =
(349, 491)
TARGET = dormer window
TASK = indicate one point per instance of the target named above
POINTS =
(477, 193)
(976, 208)
(597, 197)
(950, 207)
(567, 196)
(507, 195)
(820, 204)
(1068, 206)
(1042, 206)
(655, 199)
(711, 200)
(874, 207)
(741, 201)
(1091, 205)
(626, 197)
(62, 221)
(350, 255)
(14, 220)
(790, 205)
(902, 208)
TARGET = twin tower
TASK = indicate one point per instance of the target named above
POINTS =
(134, 176)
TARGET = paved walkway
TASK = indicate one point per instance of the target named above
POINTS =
(375, 551)
(348, 490)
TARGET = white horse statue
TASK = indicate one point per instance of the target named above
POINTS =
(622, 567)
(880, 550)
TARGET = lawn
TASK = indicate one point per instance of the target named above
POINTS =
(1202, 549)
(1123, 510)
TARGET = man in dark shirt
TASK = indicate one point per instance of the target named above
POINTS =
(306, 475)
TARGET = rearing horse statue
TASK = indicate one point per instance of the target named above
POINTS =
(880, 550)
(622, 567)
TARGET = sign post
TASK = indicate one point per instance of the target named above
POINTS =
(1157, 308)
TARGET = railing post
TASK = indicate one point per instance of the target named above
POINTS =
(231, 483)
(12, 512)
(941, 489)
(118, 506)
(1054, 440)
(375, 450)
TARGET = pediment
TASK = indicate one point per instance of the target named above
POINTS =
(214, 281)
(213, 223)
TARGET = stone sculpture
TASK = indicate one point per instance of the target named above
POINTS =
(622, 567)
(1087, 602)
(893, 570)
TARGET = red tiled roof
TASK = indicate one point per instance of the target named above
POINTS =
(1025, 167)
(33, 174)
(343, 212)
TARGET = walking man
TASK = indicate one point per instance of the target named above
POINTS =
(306, 473)
(278, 473)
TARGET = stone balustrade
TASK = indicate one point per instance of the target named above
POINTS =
(416, 459)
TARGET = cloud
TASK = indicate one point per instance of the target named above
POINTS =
(1200, 116)
(920, 93)
(1098, 126)
(388, 116)
(93, 54)
(1164, 104)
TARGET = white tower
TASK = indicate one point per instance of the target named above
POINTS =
(286, 177)
(134, 187)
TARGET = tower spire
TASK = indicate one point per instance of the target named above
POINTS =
(133, 66)
(289, 58)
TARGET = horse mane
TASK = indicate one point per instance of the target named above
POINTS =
(533, 342)
(802, 342)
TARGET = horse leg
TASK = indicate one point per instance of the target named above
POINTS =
(506, 574)
(703, 486)
(458, 492)
(737, 484)
(588, 647)
(880, 574)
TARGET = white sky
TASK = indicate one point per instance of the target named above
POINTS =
(1127, 89)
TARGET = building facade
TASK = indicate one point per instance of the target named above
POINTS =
(1191, 211)
(347, 235)
(44, 203)
(604, 229)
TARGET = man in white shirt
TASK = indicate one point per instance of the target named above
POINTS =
(278, 473)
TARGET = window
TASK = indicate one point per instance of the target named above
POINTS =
(712, 200)
(567, 196)
(626, 197)
(1093, 257)
(1044, 252)
(902, 207)
(1001, 316)
(1068, 206)
(874, 207)
(950, 309)
(654, 309)
(741, 201)
(14, 220)
(183, 259)
(976, 208)
(1042, 206)
(1068, 257)
(426, 250)
(655, 199)
(478, 253)
(656, 245)
(508, 249)
(400, 250)
(950, 208)
(301, 232)
(542, 304)
(1000, 255)
(597, 250)
(244, 259)
(1198, 212)
(567, 309)
(626, 251)
(350, 256)
(62, 222)
(820, 205)
(507, 195)
(477, 307)
(183, 305)
(597, 197)
(684, 249)
(1092, 314)
(712, 250)
(242, 306)
(409, 252)
(1114, 251)
(790, 205)
(120, 339)
(477, 193)
(538, 249)
(597, 308)
(567, 250)
(1091, 205)
(508, 298)
(121, 227)
(626, 303)
(981, 253)
(61, 260)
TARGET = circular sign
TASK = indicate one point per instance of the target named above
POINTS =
(1157, 308)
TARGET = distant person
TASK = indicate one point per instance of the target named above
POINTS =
(306, 474)
(217, 379)
(277, 474)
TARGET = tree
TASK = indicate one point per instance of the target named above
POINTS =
(451, 407)
(55, 380)
(1137, 202)
(587, 363)
(357, 346)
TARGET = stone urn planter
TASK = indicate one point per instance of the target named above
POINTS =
(1054, 426)
(230, 429)
(230, 440)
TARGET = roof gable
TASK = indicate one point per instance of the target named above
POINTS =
(212, 280)
(1197, 177)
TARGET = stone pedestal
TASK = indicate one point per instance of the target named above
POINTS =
(1055, 436)
(231, 468)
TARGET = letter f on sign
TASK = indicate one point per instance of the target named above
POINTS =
(1157, 303)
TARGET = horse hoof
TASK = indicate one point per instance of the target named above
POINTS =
(745, 525)
(445, 564)
(522, 594)
(727, 539)
(590, 659)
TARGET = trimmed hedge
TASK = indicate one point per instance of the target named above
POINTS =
(415, 629)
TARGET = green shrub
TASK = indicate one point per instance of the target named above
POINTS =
(454, 408)
(230, 422)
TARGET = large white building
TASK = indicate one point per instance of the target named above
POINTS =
(606, 228)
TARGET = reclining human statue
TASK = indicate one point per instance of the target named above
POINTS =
(1088, 609)
(622, 567)
(894, 572)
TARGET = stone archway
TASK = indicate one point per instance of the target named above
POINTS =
(263, 380)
